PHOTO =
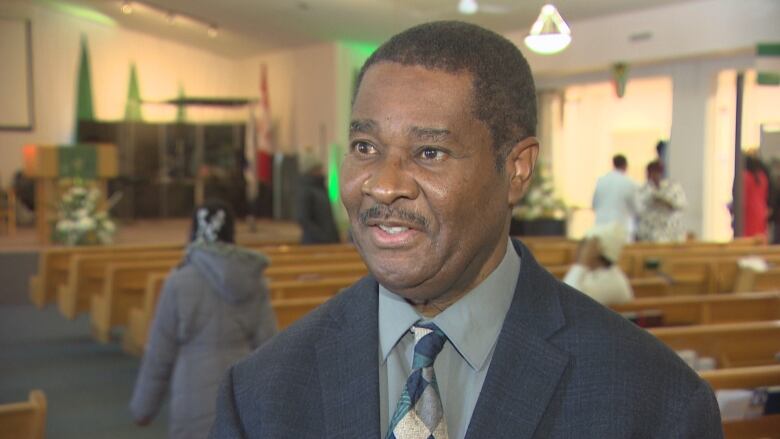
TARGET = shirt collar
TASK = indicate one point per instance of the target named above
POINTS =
(472, 324)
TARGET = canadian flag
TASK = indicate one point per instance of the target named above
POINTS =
(258, 147)
(263, 143)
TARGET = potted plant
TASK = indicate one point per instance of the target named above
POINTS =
(540, 212)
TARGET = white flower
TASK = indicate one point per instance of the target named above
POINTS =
(65, 226)
(109, 226)
(86, 223)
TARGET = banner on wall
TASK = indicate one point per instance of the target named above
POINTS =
(620, 78)
(259, 150)
(768, 63)
(84, 109)
(133, 105)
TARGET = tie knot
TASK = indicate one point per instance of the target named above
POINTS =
(428, 342)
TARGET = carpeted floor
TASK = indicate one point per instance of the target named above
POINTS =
(16, 267)
(87, 385)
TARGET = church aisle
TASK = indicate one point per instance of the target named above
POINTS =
(87, 385)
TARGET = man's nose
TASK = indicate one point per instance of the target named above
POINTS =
(390, 180)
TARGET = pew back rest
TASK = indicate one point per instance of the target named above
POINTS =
(288, 311)
(24, 420)
(310, 288)
(731, 344)
(315, 271)
(700, 310)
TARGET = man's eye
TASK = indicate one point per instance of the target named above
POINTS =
(364, 148)
(432, 154)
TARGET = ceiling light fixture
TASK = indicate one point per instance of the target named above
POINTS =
(145, 8)
(549, 34)
(468, 7)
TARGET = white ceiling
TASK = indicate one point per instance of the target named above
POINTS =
(251, 27)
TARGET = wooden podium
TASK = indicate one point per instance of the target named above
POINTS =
(54, 169)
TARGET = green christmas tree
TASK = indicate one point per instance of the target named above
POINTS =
(133, 105)
(84, 110)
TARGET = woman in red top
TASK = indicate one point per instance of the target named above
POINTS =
(755, 186)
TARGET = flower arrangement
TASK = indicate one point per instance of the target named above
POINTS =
(540, 202)
(79, 221)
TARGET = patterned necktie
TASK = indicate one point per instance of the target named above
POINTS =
(419, 414)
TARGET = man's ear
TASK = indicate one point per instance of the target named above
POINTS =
(519, 167)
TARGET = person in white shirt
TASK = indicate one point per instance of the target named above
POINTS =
(596, 272)
(661, 204)
(614, 199)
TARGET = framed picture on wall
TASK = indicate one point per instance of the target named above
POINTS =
(16, 76)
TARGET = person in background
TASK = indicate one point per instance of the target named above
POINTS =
(755, 187)
(660, 150)
(614, 199)
(214, 310)
(661, 204)
(596, 272)
(313, 210)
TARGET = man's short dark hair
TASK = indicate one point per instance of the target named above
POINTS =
(504, 92)
(619, 161)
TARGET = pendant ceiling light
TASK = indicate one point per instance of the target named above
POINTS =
(468, 7)
(549, 33)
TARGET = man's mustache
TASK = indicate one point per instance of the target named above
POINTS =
(384, 212)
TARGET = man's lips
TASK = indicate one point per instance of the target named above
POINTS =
(392, 234)
(388, 225)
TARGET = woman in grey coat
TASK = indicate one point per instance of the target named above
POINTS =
(213, 311)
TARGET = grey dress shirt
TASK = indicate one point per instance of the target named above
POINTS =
(472, 325)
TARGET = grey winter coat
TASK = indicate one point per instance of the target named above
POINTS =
(213, 311)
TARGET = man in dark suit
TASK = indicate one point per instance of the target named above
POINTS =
(457, 332)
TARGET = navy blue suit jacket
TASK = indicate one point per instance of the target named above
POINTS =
(564, 367)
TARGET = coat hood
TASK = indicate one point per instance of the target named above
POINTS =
(235, 273)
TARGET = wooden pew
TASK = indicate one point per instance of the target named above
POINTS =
(747, 378)
(649, 286)
(123, 290)
(53, 265)
(86, 272)
(139, 319)
(730, 344)
(87, 275)
(749, 280)
(666, 257)
(295, 289)
(702, 310)
(315, 271)
(24, 420)
(555, 253)
(125, 283)
(287, 311)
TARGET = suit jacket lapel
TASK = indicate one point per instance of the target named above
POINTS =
(348, 364)
(525, 368)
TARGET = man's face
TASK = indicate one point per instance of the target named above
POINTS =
(428, 209)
